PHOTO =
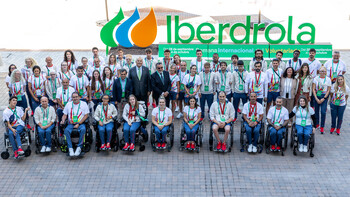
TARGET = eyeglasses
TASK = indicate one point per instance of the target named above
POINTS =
(160, 68)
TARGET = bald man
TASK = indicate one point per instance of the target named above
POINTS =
(48, 67)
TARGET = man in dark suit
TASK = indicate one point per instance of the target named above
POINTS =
(161, 83)
(122, 88)
(141, 81)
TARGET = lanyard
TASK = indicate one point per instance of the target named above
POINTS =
(98, 87)
(207, 81)
(15, 113)
(181, 74)
(53, 90)
(216, 66)
(278, 115)
(302, 80)
(194, 78)
(274, 78)
(319, 86)
(66, 94)
(128, 65)
(150, 65)
(109, 84)
(197, 65)
(222, 79)
(161, 76)
(166, 64)
(114, 68)
(336, 70)
(36, 87)
(66, 75)
(223, 110)
(241, 77)
(105, 112)
(257, 80)
(131, 109)
(172, 82)
(77, 110)
(189, 110)
(123, 88)
(82, 81)
(122, 62)
(19, 89)
(301, 114)
(296, 64)
(251, 110)
(47, 112)
(159, 115)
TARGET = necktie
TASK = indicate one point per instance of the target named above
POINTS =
(139, 73)
(162, 78)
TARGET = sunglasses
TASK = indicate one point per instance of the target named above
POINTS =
(160, 68)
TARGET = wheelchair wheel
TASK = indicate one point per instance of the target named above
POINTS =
(292, 136)
(86, 147)
(5, 155)
(211, 138)
(89, 135)
(64, 148)
(27, 152)
(142, 148)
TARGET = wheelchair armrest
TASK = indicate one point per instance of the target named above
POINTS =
(94, 123)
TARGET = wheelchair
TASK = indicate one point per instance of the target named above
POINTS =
(140, 138)
(88, 138)
(54, 139)
(198, 138)
(294, 142)
(244, 139)
(25, 139)
(284, 140)
(213, 142)
(115, 137)
(169, 138)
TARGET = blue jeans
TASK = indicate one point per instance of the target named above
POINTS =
(23, 102)
(272, 96)
(45, 134)
(323, 107)
(256, 133)
(190, 133)
(129, 132)
(303, 133)
(81, 131)
(337, 112)
(59, 115)
(206, 97)
(161, 134)
(19, 129)
(35, 104)
(236, 98)
(276, 136)
(107, 128)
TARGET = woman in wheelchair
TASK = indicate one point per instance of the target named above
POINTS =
(104, 115)
(161, 119)
(45, 117)
(304, 115)
(252, 115)
(132, 114)
(277, 117)
(192, 113)
(14, 117)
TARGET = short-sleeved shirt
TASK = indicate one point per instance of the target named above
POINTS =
(38, 86)
(114, 69)
(65, 94)
(340, 95)
(249, 110)
(174, 79)
(192, 113)
(278, 115)
(303, 114)
(322, 84)
(48, 69)
(98, 89)
(67, 75)
(256, 83)
(335, 69)
(196, 82)
(17, 88)
(162, 116)
(273, 79)
(214, 67)
(181, 76)
(93, 68)
(314, 66)
(200, 65)
(8, 80)
(13, 118)
(108, 83)
(77, 110)
(295, 65)
(80, 83)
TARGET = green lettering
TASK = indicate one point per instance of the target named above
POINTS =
(168, 25)
(221, 29)
(267, 31)
(290, 26)
(200, 32)
(256, 29)
(247, 31)
(311, 33)
(178, 27)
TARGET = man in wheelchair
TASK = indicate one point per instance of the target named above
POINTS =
(252, 115)
(14, 117)
(221, 115)
(277, 117)
(77, 112)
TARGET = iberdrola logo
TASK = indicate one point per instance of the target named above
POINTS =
(142, 35)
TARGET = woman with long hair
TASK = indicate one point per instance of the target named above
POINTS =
(97, 88)
(192, 117)
(192, 83)
(107, 77)
(289, 88)
(18, 88)
(51, 86)
(65, 73)
(12, 67)
(36, 86)
(27, 72)
(177, 62)
(112, 63)
(71, 60)
(304, 83)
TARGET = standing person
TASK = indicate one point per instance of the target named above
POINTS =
(51, 86)
(174, 87)
(295, 62)
(258, 58)
(129, 63)
(177, 62)
(304, 83)
(97, 66)
(335, 67)
(46, 70)
(141, 81)
(120, 58)
(64, 95)
(239, 92)
(161, 84)
(314, 64)
(81, 84)
(281, 64)
(289, 88)
(86, 66)
(273, 80)
(215, 64)
(150, 62)
(182, 73)
(208, 88)
(12, 67)
(233, 66)
(256, 82)
(192, 114)
(45, 117)
(198, 61)
(123, 89)
(71, 61)
(339, 99)
(95, 54)
(132, 114)
(64, 73)
(27, 72)
(108, 80)
(167, 59)
(192, 83)
(112, 63)
(36, 86)
(321, 88)
(223, 80)
(97, 88)
(18, 88)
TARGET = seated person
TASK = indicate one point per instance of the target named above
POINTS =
(277, 117)
(192, 114)
(15, 117)
(253, 114)
(45, 117)
(64, 95)
(77, 112)
(132, 114)
(304, 115)
(162, 119)
(104, 115)
(221, 114)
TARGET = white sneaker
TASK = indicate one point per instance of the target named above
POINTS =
(305, 149)
(250, 148)
(71, 152)
(43, 149)
(179, 115)
(48, 149)
(255, 149)
(177, 108)
(301, 148)
(77, 151)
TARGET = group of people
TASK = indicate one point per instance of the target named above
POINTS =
(120, 89)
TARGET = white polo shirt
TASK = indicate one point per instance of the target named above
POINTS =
(196, 80)
(162, 116)
(192, 114)
(72, 109)
(314, 66)
(249, 110)
(303, 114)
(257, 83)
(335, 69)
(38, 87)
(65, 95)
(200, 65)
(278, 116)
(80, 83)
